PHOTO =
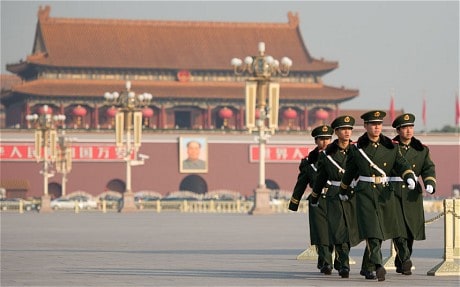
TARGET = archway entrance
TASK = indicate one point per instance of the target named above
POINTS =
(54, 190)
(194, 183)
(116, 185)
(271, 184)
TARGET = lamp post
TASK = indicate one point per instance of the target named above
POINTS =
(64, 160)
(262, 95)
(46, 126)
(128, 132)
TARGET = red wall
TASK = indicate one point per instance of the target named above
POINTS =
(228, 166)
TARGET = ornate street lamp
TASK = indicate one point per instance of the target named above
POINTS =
(262, 94)
(64, 160)
(46, 126)
(128, 132)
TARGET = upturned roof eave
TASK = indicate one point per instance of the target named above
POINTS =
(179, 90)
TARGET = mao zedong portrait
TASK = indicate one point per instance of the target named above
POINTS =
(193, 160)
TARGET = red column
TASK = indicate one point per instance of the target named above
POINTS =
(162, 117)
(27, 111)
(203, 118)
(305, 115)
(241, 119)
(62, 111)
(208, 118)
(96, 116)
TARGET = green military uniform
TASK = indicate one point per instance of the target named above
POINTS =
(317, 217)
(376, 204)
(342, 221)
(341, 215)
(411, 201)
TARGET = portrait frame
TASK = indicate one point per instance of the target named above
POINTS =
(201, 165)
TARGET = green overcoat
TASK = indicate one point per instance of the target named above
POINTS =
(411, 201)
(376, 204)
(317, 216)
(341, 215)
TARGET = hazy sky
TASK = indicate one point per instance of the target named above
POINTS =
(411, 48)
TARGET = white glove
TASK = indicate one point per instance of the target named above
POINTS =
(429, 188)
(410, 184)
(343, 197)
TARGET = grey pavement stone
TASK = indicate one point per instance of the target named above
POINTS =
(183, 249)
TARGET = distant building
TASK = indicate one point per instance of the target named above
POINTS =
(184, 65)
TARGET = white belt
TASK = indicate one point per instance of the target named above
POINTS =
(379, 179)
(397, 178)
(337, 183)
(374, 179)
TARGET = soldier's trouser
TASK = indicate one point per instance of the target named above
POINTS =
(403, 247)
(324, 255)
(366, 264)
(342, 251)
(374, 246)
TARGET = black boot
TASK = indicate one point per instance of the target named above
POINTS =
(406, 267)
(367, 274)
(344, 272)
(380, 272)
(326, 269)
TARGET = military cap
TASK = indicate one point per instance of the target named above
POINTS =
(403, 120)
(322, 131)
(373, 116)
(343, 122)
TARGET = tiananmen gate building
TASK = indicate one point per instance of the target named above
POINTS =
(186, 67)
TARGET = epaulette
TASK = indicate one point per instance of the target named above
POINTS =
(303, 163)
(313, 156)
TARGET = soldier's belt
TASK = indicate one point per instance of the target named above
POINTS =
(337, 183)
(397, 178)
(374, 179)
(380, 179)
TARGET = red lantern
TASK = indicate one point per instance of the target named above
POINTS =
(79, 111)
(289, 114)
(111, 112)
(147, 112)
(225, 113)
(322, 114)
(45, 110)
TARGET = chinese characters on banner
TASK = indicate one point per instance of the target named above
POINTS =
(280, 153)
(94, 152)
(84, 152)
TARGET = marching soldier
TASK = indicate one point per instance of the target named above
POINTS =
(371, 160)
(343, 225)
(411, 201)
(317, 217)
(343, 229)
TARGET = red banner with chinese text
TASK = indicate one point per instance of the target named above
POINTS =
(280, 153)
